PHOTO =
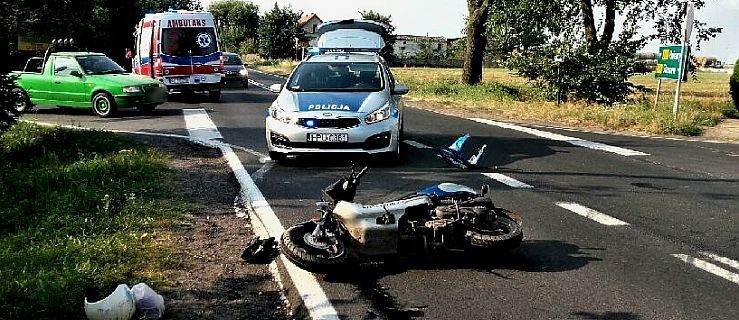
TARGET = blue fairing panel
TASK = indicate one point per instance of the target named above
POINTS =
(448, 190)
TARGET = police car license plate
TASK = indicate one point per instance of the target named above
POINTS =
(328, 137)
(179, 80)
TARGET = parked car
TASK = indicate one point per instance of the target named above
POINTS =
(234, 70)
(341, 99)
(87, 80)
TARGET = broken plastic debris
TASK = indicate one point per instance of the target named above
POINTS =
(260, 251)
(119, 305)
(149, 304)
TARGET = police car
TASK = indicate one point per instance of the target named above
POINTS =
(343, 98)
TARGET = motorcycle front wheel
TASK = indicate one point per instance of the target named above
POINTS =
(314, 255)
(501, 233)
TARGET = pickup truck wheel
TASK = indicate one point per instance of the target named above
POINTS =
(103, 105)
(24, 102)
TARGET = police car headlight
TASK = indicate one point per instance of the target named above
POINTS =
(244, 72)
(132, 89)
(379, 115)
(280, 115)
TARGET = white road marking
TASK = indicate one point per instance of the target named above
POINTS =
(709, 267)
(507, 180)
(591, 214)
(269, 74)
(314, 299)
(416, 144)
(199, 124)
(261, 85)
(731, 263)
(558, 137)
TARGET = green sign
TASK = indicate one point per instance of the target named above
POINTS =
(668, 62)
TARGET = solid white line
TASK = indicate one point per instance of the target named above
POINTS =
(199, 124)
(269, 74)
(416, 144)
(731, 263)
(315, 300)
(507, 180)
(709, 267)
(591, 214)
(558, 137)
(261, 85)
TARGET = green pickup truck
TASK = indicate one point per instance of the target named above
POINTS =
(87, 80)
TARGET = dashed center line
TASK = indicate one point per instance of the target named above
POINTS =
(199, 125)
(709, 267)
(416, 144)
(508, 180)
(591, 214)
(731, 263)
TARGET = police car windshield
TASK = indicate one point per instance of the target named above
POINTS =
(336, 76)
(99, 65)
(189, 41)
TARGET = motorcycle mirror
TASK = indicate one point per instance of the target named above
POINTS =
(485, 189)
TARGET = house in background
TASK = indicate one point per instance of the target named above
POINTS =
(310, 24)
(409, 46)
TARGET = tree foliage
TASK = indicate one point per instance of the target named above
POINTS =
(277, 32)
(598, 61)
(97, 25)
(389, 36)
(237, 21)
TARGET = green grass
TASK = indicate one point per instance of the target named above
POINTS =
(705, 102)
(81, 212)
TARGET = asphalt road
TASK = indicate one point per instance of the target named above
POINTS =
(679, 202)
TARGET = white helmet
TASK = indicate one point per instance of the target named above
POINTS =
(119, 305)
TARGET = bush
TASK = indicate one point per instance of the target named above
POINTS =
(8, 99)
(734, 85)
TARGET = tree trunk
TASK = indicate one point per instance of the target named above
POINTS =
(609, 25)
(591, 38)
(476, 41)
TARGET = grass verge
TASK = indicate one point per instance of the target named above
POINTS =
(81, 212)
(705, 101)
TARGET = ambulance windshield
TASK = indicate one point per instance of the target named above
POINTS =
(189, 41)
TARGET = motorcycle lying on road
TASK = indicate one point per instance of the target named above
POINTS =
(443, 217)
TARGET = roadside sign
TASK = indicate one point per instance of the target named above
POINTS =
(33, 43)
(669, 62)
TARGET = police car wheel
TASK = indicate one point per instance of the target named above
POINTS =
(103, 105)
(277, 156)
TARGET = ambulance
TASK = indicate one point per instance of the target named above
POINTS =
(180, 48)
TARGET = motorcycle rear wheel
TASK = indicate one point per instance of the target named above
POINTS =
(502, 234)
(312, 257)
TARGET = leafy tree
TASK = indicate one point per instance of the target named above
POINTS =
(238, 21)
(597, 60)
(277, 32)
(479, 10)
(389, 36)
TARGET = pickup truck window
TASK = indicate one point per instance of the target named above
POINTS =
(99, 65)
(64, 66)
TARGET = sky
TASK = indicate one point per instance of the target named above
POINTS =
(446, 18)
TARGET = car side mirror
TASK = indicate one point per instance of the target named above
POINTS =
(277, 87)
(401, 89)
(75, 73)
(246, 65)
